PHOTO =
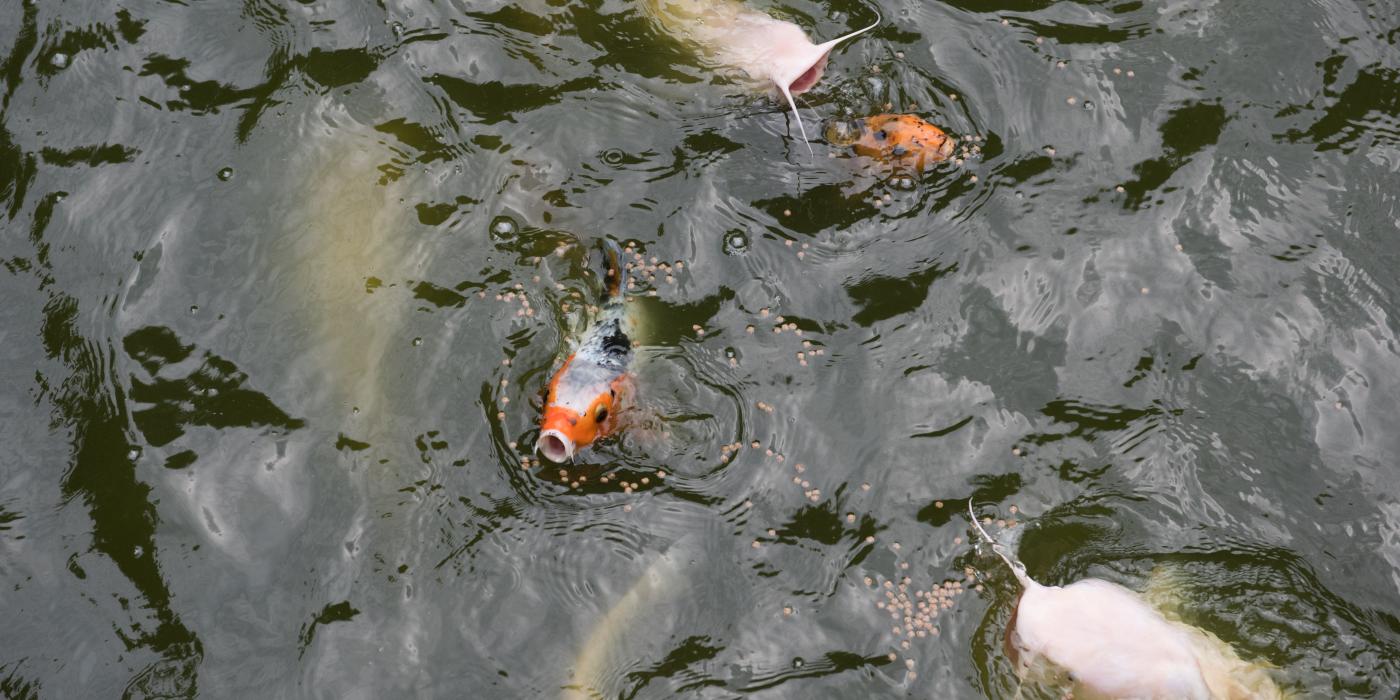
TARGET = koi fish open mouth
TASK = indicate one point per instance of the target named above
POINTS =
(555, 446)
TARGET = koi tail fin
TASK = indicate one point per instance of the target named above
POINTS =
(617, 269)
(1017, 568)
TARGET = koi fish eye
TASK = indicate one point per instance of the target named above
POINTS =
(600, 413)
(882, 135)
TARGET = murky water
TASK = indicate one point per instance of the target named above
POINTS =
(285, 281)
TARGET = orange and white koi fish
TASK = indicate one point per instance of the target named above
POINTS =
(1113, 644)
(771, 52)
(893, 138)
(585, 393)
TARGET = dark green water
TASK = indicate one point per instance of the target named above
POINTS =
(259, 438)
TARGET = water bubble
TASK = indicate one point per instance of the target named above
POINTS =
(398, 29)
(137, 551)
(736, 243)
(1088, 106)
(417, 342)
(614, 156)
(194, 309)
(59, 60)
(798, 662)
(503, 228)
(226, 174)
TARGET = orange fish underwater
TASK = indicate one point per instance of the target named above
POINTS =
(893, 138)
(585, 393)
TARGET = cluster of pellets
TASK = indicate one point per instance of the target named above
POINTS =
(809, 491)
(802, 251)
(528, 461)
(575, 480)
(514, 295)
(649, 269)
(969, 147)
(630, 487)
(501, 415)
(782, 325)
(729, 451)
(914, 610)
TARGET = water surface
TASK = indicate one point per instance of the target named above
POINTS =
(285, 281)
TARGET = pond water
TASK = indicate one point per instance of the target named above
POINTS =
(285, 281)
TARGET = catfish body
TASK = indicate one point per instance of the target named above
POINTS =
(1113, 644)
(770, 52)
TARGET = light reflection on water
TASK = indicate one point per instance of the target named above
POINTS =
(269, 429)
